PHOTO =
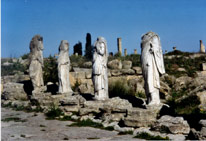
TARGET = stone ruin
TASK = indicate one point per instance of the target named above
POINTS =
(122, 114)
(202, 47)
(119, 45)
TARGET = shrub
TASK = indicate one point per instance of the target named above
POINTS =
(50, 72)
(54, 112)
(12, 69)
(25, 56)
(147, 136)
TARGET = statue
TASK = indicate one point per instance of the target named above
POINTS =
(36, 62)
(99, 69)
(152, 66)
(63, 68)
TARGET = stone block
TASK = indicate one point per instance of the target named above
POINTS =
(127, 64)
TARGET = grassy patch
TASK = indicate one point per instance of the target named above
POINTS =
(23, 136)
(86, 123)
(90, 123)
(125, 133)
(43, 130)
(54, 113)
(109, 128)
(147, 136)
(15, 119)
(95, 138)
(42, 125)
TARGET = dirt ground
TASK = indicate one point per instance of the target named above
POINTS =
(34, 126)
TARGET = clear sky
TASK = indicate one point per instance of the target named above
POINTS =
(180, 23)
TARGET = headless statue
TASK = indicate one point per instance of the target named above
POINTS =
(152, 66)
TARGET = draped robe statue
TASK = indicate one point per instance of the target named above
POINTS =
(36, 62)
(63, 68)
(99, 69)
(152, 66)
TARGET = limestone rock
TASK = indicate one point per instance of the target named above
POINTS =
(70, 100)
(202, 123)
(128, 71)
(115, 72)
(203, 66)
(86, 88)
(115, 64)
(175, 125)
(15, 78)
(87, 64)
(181, 69)
(127, 64)
(116, 104)
(14, 91)
(138, 70)
(138, 117)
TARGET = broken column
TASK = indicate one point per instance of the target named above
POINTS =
(125, 52)
(135, 51)
(119, 45)
(202, 47)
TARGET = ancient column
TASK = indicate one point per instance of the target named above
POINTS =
(202, 47)
(63, 68)
(99, 69)
(36, 62)
(152, 66)
(135, 51)
(125, 52)
(119, 45)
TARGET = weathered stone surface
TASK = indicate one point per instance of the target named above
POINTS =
(138, 117)
(72, 100)
(176, 137)
(88, 74)
(164, 89)
(202, 122)
(115, 64)
(181, 82)
(127, 64)
(71, 108)
(87, 64)
(181, 69)
(115, 72)
(14, 91)
(36, 61)
(78, 75)
(63, 68)
(128, 71)
(116, 104)
(203, 66)
(152, 68)
(86, 88)
(99, 69)
(90, 107)
(14, 78)
(138, 70)
(201, 73)
(175, 125)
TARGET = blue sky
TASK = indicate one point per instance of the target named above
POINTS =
(180, 23)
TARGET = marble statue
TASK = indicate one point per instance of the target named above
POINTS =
(36, 62)
(99, 69)
(63, 68)
(152, 66)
